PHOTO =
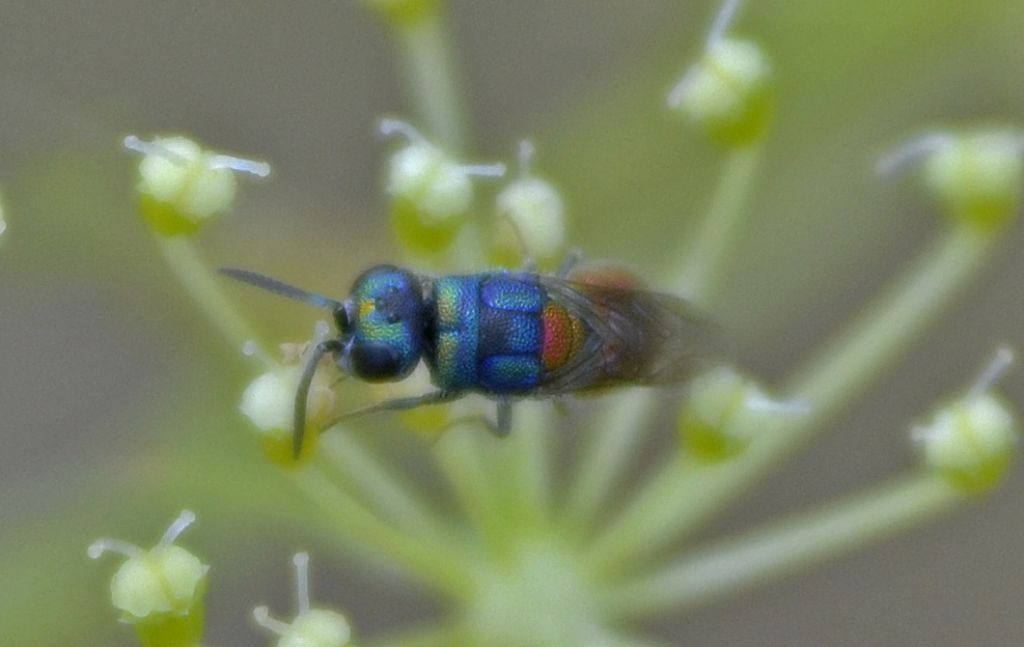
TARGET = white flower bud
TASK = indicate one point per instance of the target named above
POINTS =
(160, 590)
(432, 181)
(317, 628)
(311, 627)
(531, 218)
(182, 186)
(269, 399)
(970, 442)
(431, 191)
(978, 176)
(725, 411)
(729, 92)
(269, 402)
(165, 579)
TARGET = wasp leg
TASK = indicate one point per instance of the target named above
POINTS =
(569, 263)
(504, 425)
(501, 428)
(401, 404)
(566, 406)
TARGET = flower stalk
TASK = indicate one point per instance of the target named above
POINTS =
(431, 78)
(701, 270)
(687, 493)
(731, 566)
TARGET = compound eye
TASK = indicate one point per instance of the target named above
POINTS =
(374, 362)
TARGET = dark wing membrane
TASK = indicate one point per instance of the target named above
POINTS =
(636, 337)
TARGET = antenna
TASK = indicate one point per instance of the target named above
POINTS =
(281, 288)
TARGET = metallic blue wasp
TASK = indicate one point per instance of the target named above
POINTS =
(505, 334)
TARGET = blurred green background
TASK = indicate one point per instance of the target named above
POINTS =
(118, 399)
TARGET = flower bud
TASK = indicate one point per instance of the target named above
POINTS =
(431, 192)
(729, 92)
(269, 402)
(724, 412)
(182, 186)
(977, 177)
(159, 591)
(311, 627)
(970, 442)
(530, 220)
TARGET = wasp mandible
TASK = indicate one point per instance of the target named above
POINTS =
(505, 334)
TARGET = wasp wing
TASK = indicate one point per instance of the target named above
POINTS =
(633, 337)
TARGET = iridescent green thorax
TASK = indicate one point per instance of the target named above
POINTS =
(489, 333)
(387, 330)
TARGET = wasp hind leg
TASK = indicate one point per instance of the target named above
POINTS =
(569, 263)
(504, 426)
(501, 427)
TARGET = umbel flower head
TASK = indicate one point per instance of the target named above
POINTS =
(527, 553)
(159, 591)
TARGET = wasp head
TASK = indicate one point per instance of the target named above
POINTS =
(382, 325)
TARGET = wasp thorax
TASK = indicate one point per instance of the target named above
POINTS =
(387, 324)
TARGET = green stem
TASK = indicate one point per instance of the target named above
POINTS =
(605, 456)
(851, 361)
(468, 468)
(180, 254)
(386, 490)
(729, 567)
(523, 459)
(696, 277)
(430, 75)
(442, 567)
(685, 493)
